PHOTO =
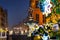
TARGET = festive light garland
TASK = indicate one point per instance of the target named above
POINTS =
(45, 6)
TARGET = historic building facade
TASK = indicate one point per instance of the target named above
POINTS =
(3, 23)
(35, 12)
(3, 18)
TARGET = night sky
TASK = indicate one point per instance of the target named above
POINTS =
(17, 10)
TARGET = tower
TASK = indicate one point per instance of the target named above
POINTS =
(3, 23)
(35, 11)
(3, 18)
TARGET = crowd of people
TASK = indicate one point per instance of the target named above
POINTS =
(45, 32)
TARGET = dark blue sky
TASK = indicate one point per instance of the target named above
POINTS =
(17, 10)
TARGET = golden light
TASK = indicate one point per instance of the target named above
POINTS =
(25, 31)
(37, 37)
(1, 30)
(22, 32)
(33, 3)
(10, 32)
(6, 29)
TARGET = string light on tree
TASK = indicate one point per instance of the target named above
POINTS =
(45, 7)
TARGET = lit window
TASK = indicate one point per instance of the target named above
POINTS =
(11, 32)
(25, 31)
(22, 32)
(37, 17)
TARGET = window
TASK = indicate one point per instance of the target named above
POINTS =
(36, 4)
(2, 19)
(3, 34)
(3, 15)
(44, 18)
(2, 24)
(37, 17)
(30, 14)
